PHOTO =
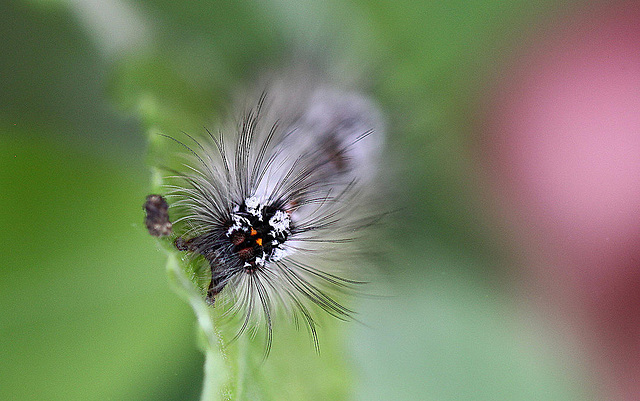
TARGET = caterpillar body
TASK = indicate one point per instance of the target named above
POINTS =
(267, 199)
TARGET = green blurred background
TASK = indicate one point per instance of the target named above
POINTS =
(86, 310)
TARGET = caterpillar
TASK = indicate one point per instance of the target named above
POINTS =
(262, 203)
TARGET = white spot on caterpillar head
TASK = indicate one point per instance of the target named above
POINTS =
(278, 253)
(280, 221)
(254, 206)
(252, 202)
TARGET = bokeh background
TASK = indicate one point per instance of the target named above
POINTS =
(512, 264)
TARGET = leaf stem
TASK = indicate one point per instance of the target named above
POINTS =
(217, 383)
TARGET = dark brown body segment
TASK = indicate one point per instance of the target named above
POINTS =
(157, 216)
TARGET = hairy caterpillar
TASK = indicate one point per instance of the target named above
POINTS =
(266, 200)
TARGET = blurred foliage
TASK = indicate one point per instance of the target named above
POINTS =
(82, 306)
(87, 313)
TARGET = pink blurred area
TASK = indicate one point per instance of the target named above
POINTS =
(563, 145)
